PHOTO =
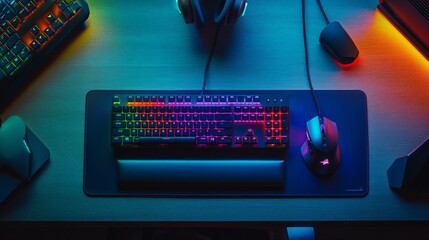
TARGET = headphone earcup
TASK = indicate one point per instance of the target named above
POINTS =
(236, 10)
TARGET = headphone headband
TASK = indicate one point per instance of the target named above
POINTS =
(226, 11)
(197, 9)
(222, 10)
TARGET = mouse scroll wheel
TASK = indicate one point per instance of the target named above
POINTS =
(323, 131)
(322, 128)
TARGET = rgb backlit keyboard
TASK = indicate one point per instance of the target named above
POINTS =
(29, 30)
(200, 121)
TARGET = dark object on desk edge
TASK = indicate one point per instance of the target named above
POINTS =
(411, 173)
(338, 43)
(22, 154)
(350, 180)
(411, 18)
(321, 151)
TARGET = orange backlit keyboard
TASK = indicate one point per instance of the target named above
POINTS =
(29, 30)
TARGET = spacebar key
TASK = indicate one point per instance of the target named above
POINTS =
(168, 140)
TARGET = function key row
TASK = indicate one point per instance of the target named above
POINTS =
(189, 99)
(230, 99)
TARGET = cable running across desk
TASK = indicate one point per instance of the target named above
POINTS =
(323, 12)
(206, 70)
(307, 64)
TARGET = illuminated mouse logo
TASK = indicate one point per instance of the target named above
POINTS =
(324, 162)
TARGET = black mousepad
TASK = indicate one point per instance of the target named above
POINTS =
(348, 108)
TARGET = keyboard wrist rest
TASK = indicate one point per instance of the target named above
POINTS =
(201, 172)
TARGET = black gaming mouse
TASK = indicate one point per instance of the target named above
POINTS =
(338, 43)
(320, 151)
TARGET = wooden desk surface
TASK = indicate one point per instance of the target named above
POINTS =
(146, 45)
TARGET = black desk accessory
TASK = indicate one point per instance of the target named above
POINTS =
(411, 17)
(411, 173)
(334, 38)
(349, 108)
(22, 154)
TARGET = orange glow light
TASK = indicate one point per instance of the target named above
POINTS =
(350, 65)
(394, 33)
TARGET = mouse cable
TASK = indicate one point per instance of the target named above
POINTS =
(209, 60)
(323, 12)
(307, 64)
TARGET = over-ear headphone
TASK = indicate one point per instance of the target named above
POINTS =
(226, 11)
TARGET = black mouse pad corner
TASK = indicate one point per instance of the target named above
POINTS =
(348, 108)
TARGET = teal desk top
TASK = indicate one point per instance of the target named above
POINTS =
(146, 45)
